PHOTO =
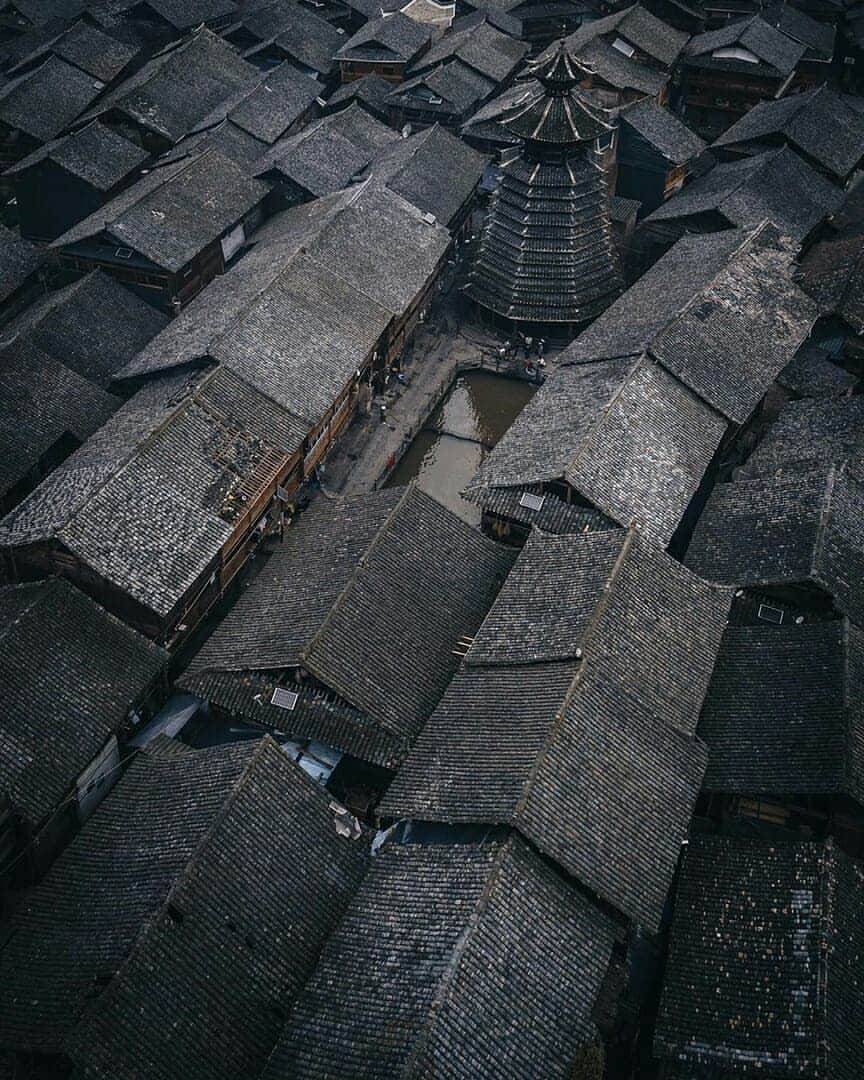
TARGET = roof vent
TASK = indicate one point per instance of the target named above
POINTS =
(532, 502)
(284, 699)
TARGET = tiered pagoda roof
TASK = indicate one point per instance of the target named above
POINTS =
(547, 255)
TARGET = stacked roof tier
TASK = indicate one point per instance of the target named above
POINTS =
(546, 255)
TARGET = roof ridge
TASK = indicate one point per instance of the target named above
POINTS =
(824, 511)
(845, 667)
(827, 886)
(751, 235)
(603, 412)
(445, 981)
(227, 803)
(355, 574)
(39, 596)
(186, 870)
(578, 676)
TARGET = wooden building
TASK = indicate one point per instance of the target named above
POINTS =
(569, 724)
(456, 76)
(70, 178)
(724, 73)
(80, 44)
(627, 56)
(546, 259)
(171, 19)
(385, 46)
(20, 273)
(326, 156)
(40, 104)
(539, 22)
(780, 721)
(631, 426)
(170, 233)
(169, 95)
(198, 466)
(794, 538)
(765, 955)
(464, 909)
(56, 365)
(818, 124)
(329, 671)
(76, 683)
(777, 184)
(282, 31)
(656, 154)
(369, 92)
(215, 875)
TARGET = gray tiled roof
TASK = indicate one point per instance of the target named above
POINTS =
(276, 103)
(330, 152)
(625, 435)
(819, 37)
(416, 955)
(764, 969)
(190, 851)
(628, 326)
(483, 48)
(812, 374)
(308, 39)
(188, 337)
(166, 465)
(811, 433)
(798, 528)
(720, 312)
(349, 576)
(85, 47)
(382, 245)
(832, 272)
(94, 153)
(777, 185)
(303, 338)
(460, 88)
(433, 170)
(563, 676)
(187, 14)
(639, 27)
(71, 672)
(42, 402)
(785, 711)
(371, 90)
(387, 38)
(258, 898)
(175, 211)
(818, 122)
(94, 326)
(44, 101)
(19, 259)
(770, 45)
(172, 92)
(664, 131)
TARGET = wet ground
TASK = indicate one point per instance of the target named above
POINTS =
(470, 420)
